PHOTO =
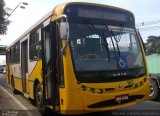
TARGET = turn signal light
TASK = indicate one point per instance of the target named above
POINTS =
(136, 85)
(83, 87)
(92, 90)
(100, 91)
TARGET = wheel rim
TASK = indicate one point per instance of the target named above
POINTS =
(39, 97)
(151, 90)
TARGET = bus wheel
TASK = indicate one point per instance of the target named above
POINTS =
(39, 100)
(13, 88)
(153, 90)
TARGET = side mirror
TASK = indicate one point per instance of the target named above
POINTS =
(64, 30)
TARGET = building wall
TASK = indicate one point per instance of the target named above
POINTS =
(153, 63)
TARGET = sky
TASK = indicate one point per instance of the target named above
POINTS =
(22, 19)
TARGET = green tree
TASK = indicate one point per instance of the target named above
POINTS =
(3, 21)
(153, 45)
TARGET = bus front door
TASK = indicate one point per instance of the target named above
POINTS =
(50, 90)
(24, 63)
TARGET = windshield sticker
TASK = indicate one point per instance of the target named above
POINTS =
(122, 63)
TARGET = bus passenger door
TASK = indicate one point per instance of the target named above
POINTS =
(8, 66)
(24, 63)
(50, 90)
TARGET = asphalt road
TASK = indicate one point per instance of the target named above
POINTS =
(17, 105)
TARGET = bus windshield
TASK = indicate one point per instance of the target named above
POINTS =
(102, 47)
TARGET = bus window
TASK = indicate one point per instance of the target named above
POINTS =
(17, 52)
(12, 55)
(35, 45)
(128, 48)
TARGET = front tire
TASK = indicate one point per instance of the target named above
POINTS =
(39, 100)
(153, 90)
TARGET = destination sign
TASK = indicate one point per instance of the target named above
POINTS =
(93, 13)
(101, 15)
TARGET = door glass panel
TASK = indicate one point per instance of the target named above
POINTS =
(48, 70)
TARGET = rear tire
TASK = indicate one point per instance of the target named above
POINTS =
(153, 90)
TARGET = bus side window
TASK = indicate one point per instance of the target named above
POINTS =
(12, 55)
(17, 52)
(35, 45)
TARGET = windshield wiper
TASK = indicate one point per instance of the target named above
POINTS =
(117, 38)
(106, 46)
(118, 51)
(119, 61)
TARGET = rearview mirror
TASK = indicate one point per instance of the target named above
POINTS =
(64, 30)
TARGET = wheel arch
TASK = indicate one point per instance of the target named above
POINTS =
(36, 82)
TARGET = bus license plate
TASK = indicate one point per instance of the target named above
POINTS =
(121, 99)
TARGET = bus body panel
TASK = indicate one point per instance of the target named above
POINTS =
(31, 89)
(35, 74)
(18, 83)
(15, 74)
(77, 101)
(86, 98)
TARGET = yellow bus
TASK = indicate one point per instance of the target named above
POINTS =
(80, 58)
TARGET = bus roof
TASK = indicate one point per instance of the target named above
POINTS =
(58, 10)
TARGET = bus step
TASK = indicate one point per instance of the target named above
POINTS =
(26, 95)
(51, 107)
